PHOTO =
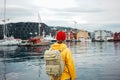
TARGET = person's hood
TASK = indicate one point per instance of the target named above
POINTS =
(57, 46)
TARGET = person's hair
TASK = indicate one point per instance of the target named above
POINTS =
(59, 41)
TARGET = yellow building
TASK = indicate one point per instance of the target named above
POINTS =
(82, 35)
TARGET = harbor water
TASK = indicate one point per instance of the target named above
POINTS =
(93, 61)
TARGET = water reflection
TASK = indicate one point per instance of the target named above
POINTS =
(22, 52)
(3, 71)
(99, 46)
(27, 63)
(99, 58)
(117, 47)
(80, 47)
(22, 56)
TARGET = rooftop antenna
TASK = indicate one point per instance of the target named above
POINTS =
(39, 18)
(75, 23)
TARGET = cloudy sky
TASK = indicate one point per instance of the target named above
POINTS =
(87, 14)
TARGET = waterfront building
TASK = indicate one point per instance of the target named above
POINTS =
(83, 35)
(1, 31)
(100, 35)
(70, 35)
(103, 35)
(54, 29)
(116, 36)
(25, 30)
(109, 35)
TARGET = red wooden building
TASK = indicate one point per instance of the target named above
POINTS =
(116, 36)
(70, 35)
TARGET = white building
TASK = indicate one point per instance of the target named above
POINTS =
(102, 35)
(109, 35)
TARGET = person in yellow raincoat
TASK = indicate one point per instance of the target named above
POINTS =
(69, 72)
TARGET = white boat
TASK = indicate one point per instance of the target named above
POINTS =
(10, 41)
(49, 38)
(85, 40)
(7, 41)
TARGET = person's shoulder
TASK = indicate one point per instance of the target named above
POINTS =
(67, 49)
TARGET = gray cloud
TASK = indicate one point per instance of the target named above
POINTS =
(77, 10)
(86, 11)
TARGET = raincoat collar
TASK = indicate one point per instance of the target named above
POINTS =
(57, 46)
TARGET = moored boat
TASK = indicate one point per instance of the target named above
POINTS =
(36, 41)
(7, 41)
(10, 41)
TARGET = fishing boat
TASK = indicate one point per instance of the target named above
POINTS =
(35, 41)
(7, 41)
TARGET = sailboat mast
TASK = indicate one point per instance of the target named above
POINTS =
(4, 27)
(40, 21)
(4, 37)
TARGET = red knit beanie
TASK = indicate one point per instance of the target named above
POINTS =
(60, 36)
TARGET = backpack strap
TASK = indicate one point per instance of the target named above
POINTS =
(58, 50)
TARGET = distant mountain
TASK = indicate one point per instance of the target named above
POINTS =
(93, 27)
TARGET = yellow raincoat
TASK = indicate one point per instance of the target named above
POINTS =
(69, 72)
